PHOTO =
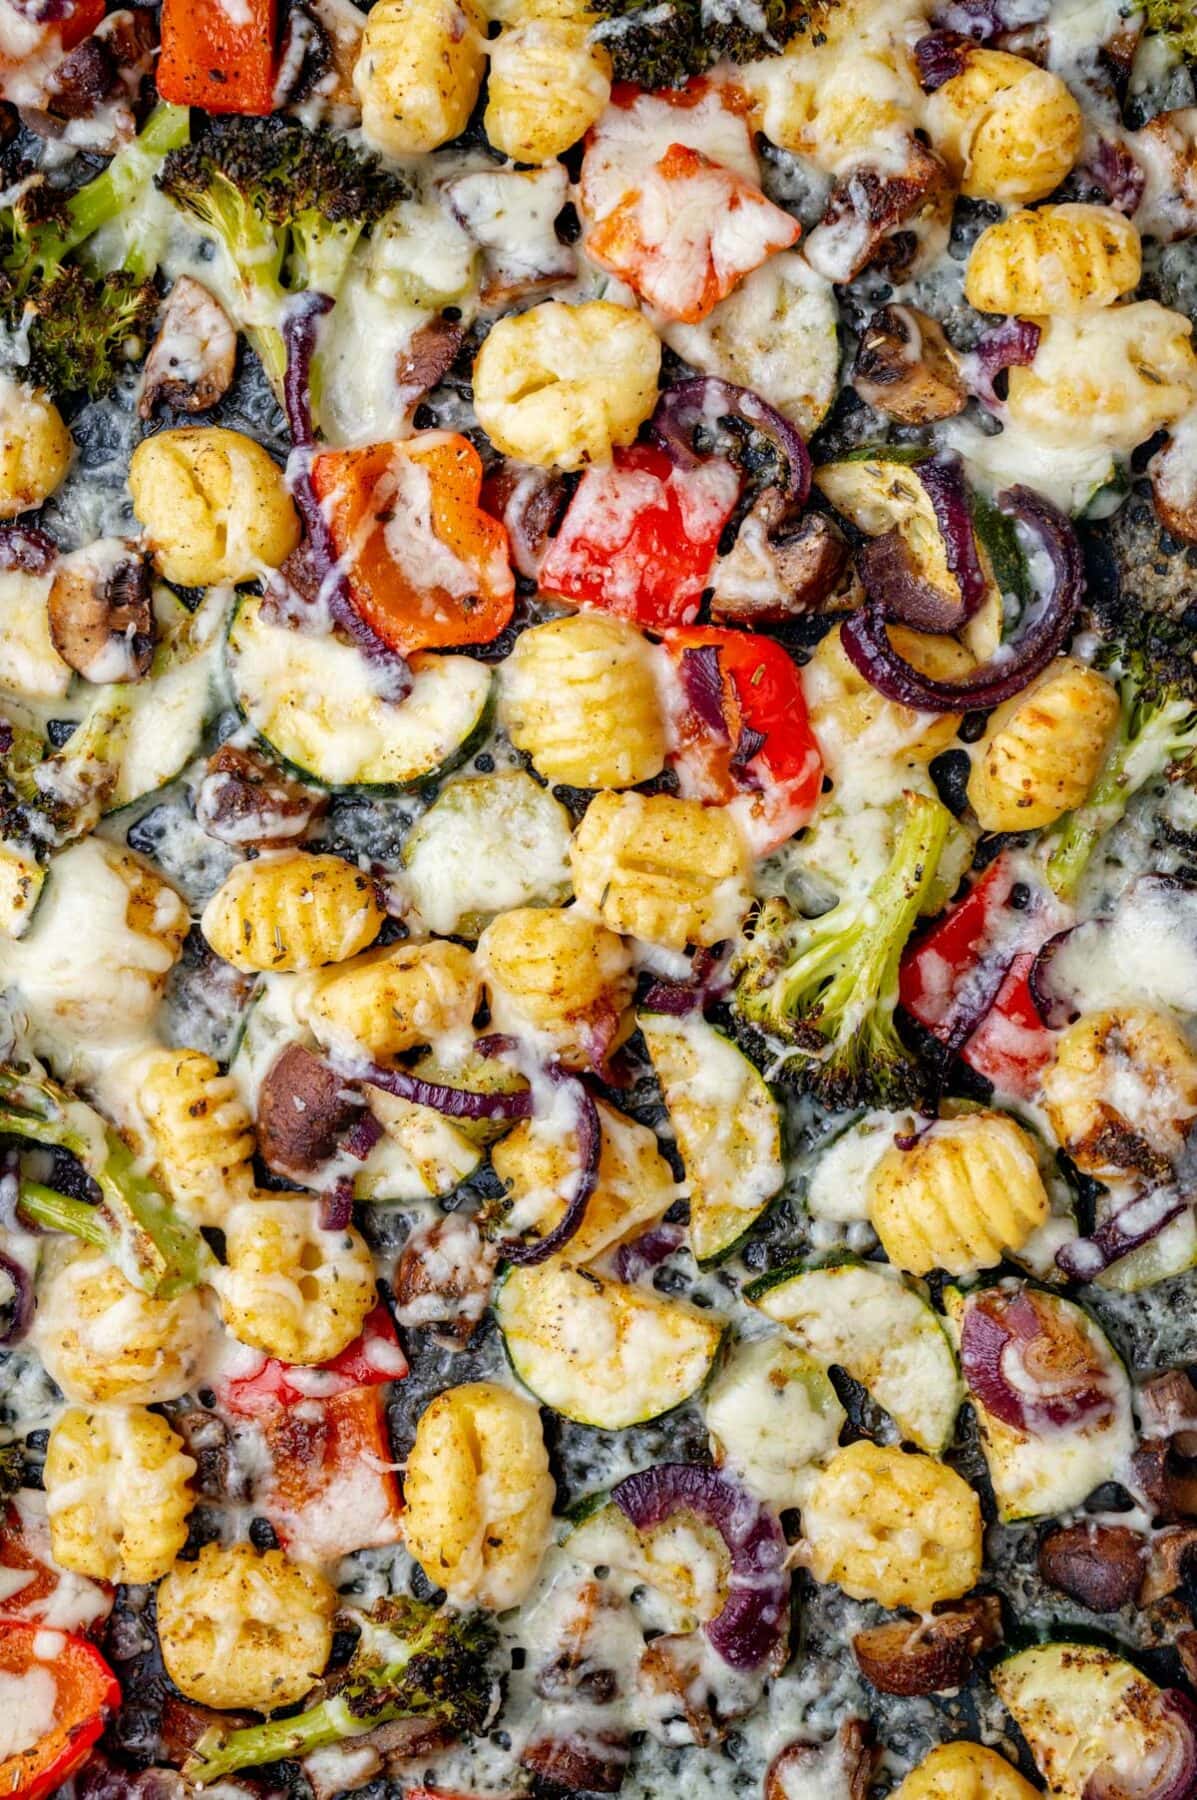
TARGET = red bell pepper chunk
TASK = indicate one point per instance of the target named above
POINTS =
(334, 1488)
(59, 1690)
(427, 567)
(373, 1357)
(640, 535)
(967, 981)
(765, 763)
(219, 54)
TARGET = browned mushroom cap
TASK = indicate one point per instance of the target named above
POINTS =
(1166, 148)
(443, 1279)
(591, 1762)
(849, 1759)
(1167, 1480)
(100, 612)
(1101, 1566)
(927, 1656)
(1171, 1561)
(302, 1110)
(906, 368)
(777, 569)
(1168, 1409)
(429, 353)
(1173, 472)
(245, 799)
(883, 218)
(191, 362)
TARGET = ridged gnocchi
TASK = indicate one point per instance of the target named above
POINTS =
(893, 1526)
(580, 696)
(478, 1495)
(105, 1341)
(667, 871)
(419, 72)
(198, 1131)
(213, 505)
(964, 1771)
(392, 999)
(1054, 262)
(1121, 1091)
(1042, 751)
(292, 910)
(1007, 129)
(242, 1629)
(35, 447)
(1110, 378)
(548, 83)
(563, 385)
(851, 719)
(290, 1287)
(962, 1194)
(118, 1491)
(560, 972)
(538, 1164)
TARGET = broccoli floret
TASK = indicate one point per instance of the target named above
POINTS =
(827, 987)
(1175, 20)
(411, 1662)
(663, 45)
(81, 324)
(1153, 658)
(286, 204)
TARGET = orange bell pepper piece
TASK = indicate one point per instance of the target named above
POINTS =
(427, 567)
(334, 1487)
(81, 1687)
(219, 55)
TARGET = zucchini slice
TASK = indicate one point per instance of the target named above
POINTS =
(776, 1417)
(1085, 1711)
(488, 843)
(683, 1559)
(727, 1125)
(315, 703)
(600, 1352)
(1049, 1471)
(864, 1318)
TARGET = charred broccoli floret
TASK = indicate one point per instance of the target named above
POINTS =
(286, 204)
(1153, 658)
(411, 1662)
(81, 324)
(663, 45)
(827, 987)
(1175, 20)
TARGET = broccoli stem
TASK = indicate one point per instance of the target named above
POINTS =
(329, 1723)
(60, 1212)
(101, 199)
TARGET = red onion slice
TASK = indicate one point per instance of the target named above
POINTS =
(528, 1252)
(336, 1206)
(940, 57)
(1008, 671)
(1056, 1011)
(1170, 1773)
(25, 547)
(1028, 1369)
(453, 1102)
(755, 1616)
(1011, 345)
(703, 684)
(648, 1251)
(1132, 1226)
(704, 400)
(1113, 168)
(21, 1305)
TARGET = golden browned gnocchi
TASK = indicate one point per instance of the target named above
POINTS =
(419, 72)
(292, 910)
(392, 999)
(118, 1491)
(242, 1629)
(563, 385)
(964, 1771)
(478, 1494)
(213, 505)
(557, 970)
(580, 696)
(664, 870)
(1110, 378)
(1053, 262)
(893, 1526)
(848, 715)
(1008, 130)
(1121, 1091)
(35, 447)
(105, 1341)
(198, 1131)
(548, 83)
(964, 1192)
(290, 1287)
(1042, 751)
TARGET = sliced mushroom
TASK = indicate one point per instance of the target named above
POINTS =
(891, 220)
(777, 570)
(1166, 149)
(677, 1693)
(906, 368)
(1101, 1566)
(443, 1279)
(302, 1110)
(1185, 1645)
(429, 353)
(1168, 1409)
(581, 1761)
(530, 502)
(244, 799)
(100, 612)
(929, 1656)
(99, 81)
(844, 1764)
(1167, 1480)
(1173, 472)
(1171, 1561)
(190, 364)
(340, 24)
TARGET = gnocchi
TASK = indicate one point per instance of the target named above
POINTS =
(213, 505)
(478, 1495)
(118, 1491)
(389, 1000)
(418, 72)
(290, 1287)
(964, 1771)
(664, 870)
(291, 910)
(35, 447)
(1042, 751)
(1054, 262)
(564, 975)
(580, 696)
(548, 83)
(1115, 376)
(106, 1342)
(1008, 130)
(1121, 1092)
(198, 1130)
